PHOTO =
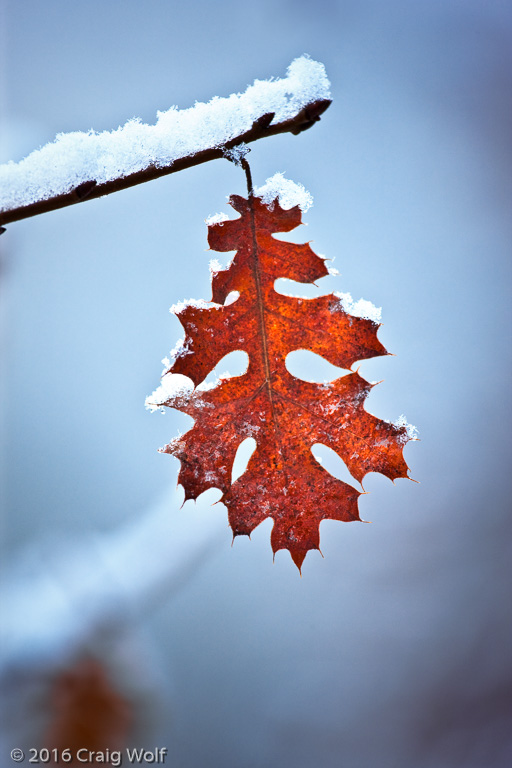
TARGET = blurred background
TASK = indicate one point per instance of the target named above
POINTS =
(394, 650)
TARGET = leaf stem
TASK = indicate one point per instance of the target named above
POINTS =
(247, 168)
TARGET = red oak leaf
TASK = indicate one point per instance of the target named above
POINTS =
(285, 415)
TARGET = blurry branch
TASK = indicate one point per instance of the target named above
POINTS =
(89, 190)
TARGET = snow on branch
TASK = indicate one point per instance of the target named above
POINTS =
(82, 166)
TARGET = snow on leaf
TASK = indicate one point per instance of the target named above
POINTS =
(171, 385)
(285, 415)
(410, 430)
(288, 193)
(216, 218)
(361, 308)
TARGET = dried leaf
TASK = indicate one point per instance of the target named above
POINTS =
(88, 713)
(285, 415)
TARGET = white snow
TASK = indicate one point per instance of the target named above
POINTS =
(172, 385)
(180, 350)
(76, 157)
(181, 305)
(288, 192)
(361, 308)
(216, 218)
(237, 154)
(215, 265)
(411, 431)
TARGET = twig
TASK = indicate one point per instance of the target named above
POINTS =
(90, 190)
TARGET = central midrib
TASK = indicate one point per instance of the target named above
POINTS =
(263, 332)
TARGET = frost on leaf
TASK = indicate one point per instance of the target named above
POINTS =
(285, 415)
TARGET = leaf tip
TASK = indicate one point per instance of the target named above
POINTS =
(298, 556)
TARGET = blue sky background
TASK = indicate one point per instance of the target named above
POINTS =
(394, 650)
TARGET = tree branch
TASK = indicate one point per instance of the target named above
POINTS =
(90, 190)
